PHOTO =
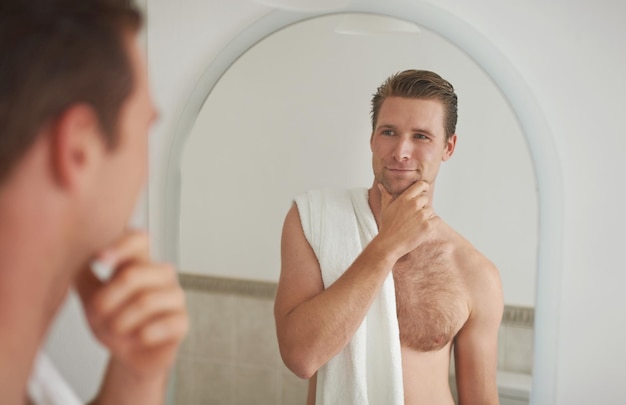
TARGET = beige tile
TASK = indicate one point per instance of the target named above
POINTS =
(293, 389)
(202, 382)
(256, 385)
(216, 384)
(452, 363)
(453, 390)
(256, 342)
(501, 346)
(183, 383)
(212, 331)
(185, 349)
(519, 349)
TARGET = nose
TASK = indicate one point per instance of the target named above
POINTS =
(403, 149)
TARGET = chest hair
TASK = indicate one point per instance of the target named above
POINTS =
(429, 297)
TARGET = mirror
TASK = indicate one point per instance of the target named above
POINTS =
(500, 69)
(292, 113)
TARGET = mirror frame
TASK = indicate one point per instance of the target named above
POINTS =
(514, 88)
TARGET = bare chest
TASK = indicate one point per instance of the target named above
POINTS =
(430, 298)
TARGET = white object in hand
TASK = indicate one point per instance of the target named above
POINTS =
(102, 270)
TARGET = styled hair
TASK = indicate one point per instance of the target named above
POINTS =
(420, 84)
(58, 53)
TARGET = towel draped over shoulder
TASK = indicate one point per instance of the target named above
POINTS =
(338, 224)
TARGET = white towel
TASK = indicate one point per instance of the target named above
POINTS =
(338, 224)
(47, 387)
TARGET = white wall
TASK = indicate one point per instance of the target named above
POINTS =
(572, 56)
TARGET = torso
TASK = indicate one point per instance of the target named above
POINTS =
(432, 304)
(430, 298)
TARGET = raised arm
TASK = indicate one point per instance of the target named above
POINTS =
(140, 316)
(476, 344)
(314, 324)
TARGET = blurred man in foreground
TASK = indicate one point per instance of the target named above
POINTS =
(75, 112)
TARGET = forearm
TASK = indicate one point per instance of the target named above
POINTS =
(319, 328)
(122, 387)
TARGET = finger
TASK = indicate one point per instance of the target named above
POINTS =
(167, 328)
(421, 201)
(416, 189)
(147, 306)
(133, 245)
(428, 212)
(102, 266)
(131, 280)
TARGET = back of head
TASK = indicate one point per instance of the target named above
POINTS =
(420, 84)
(57, 53)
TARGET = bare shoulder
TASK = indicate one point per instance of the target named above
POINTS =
(479, 274)
(300, 275)
(474, 264)
(471, 262)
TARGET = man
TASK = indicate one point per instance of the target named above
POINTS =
(75, 111)
(445, 294)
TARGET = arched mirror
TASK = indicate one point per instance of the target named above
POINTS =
(291, 113)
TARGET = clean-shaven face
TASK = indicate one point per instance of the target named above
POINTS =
(126, 168)
(409, 142)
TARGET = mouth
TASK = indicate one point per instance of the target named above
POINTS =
(400, 170)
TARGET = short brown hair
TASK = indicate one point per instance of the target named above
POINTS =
(57, 53)
(421, 84)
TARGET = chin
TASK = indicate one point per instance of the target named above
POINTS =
(395, 188)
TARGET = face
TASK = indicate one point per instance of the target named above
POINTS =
(409, 143)
(124, 168)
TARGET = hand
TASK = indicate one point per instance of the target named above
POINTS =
(139, 314)
(407, 220)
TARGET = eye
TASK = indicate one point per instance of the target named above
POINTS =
(387, 132)
(420, 136)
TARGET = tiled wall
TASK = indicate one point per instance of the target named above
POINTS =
(515, 340)
(230, 356)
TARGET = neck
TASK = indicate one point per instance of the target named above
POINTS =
(33, 282)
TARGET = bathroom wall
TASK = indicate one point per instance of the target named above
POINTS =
(571, 55)
(231, 353)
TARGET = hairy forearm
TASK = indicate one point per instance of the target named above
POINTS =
(122, 387)
(316, 330)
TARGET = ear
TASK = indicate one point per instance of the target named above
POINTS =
(76, 146)
(449, 148)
